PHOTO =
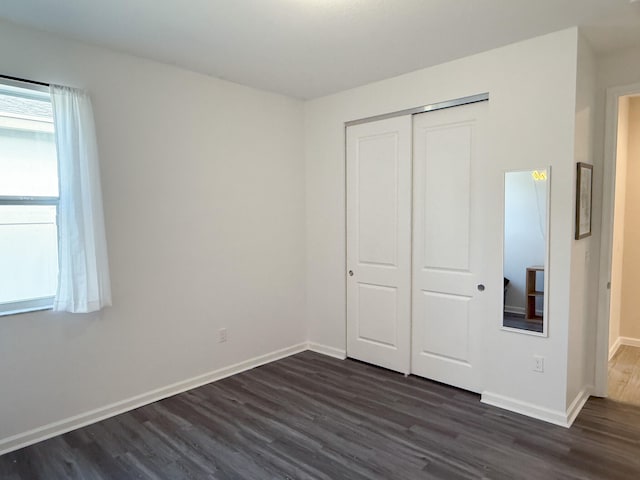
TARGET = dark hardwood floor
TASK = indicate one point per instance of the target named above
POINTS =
(313, 417)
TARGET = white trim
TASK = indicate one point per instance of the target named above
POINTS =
(326, 350)
(14, 85)
(25, 306)
(577, 404)
(614, 348)
(15, 442)
(547, 260)
(514, 309)
(23, 122)
(557, 417)
(629, 341)
(606, 238)
(66, 425)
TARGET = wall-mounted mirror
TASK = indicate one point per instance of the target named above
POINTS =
(526, 199)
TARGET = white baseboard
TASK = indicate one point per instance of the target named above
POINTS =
(564, 419)
(614, 348)
(325, 350)
(519, 310)
(514, 309)
(577, 404)
(630, 342)
(557, 417)
(63, 426)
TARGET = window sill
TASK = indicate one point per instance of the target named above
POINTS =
(27, 306)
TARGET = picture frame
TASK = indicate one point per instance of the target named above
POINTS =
(584, 187)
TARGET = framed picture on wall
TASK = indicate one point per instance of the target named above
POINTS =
(583, 200)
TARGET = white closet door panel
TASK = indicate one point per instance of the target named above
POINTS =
(377, 185)
(447, 184)
(379, 242)
(378, 315)
(451, 340)
(448, 238)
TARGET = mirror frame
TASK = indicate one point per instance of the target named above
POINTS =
(545, 307)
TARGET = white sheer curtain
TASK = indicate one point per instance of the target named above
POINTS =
(83, 282)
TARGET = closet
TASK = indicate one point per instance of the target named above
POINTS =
(416, 241)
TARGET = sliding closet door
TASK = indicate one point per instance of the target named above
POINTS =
(379, 242)
(448, 245)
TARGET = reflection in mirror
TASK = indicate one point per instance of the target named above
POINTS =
(525, 249)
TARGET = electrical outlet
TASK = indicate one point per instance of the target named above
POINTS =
(538, 363)
(222, 335)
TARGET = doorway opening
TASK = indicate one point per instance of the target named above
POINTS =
(623, 327)
(624, 316)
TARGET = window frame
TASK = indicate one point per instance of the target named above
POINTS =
(40, 303)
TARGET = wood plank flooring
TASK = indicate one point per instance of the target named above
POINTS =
(624, 375)
(314, 417)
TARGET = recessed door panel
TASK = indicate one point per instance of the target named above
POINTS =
(378, 315)
(448, 315)
(446, 195)
(377, 184)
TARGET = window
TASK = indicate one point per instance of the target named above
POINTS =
(28, 200)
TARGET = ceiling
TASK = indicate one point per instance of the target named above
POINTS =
(310, 48)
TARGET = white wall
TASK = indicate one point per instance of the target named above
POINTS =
(525, 214)
(203, 184)
(629, 312)
(532, 115)
(584, 266)
(617, 69)
(618, 222)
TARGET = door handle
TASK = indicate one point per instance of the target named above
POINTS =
(480, 287)
(351, 273)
